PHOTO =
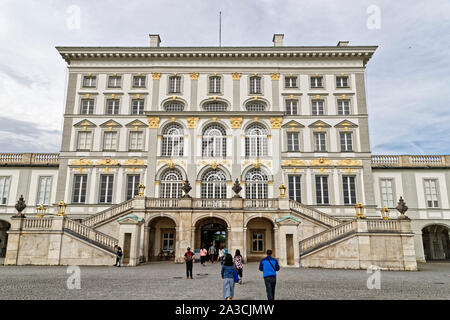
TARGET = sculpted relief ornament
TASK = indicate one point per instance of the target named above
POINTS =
(276, 122)
(236, 122)
(153, 122)
(192, 122)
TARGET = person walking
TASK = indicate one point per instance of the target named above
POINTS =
(203, 254)
(221, 254)
(118, 256)
(269, 266)
(212, 252)
(227, 273)
(239, 264)
(189, 258)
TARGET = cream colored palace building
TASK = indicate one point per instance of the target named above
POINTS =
(261, 116)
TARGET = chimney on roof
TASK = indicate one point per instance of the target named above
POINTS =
(278, 39)
(155, 40)
(342, 43)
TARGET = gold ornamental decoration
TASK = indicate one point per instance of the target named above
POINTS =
(153, 122)
(294, 162)
(81, 162)
(194, 76)
(236, 122)
(274, 76)
(134, 162)
(321, 162)
(349, 162)
(156, 76)
(236, 76)
(171, 163)
(276, 122)
(192, 122)
(107, 162)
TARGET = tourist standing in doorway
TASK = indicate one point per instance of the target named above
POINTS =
(221, 254)
(227, 273)
(203, 254)
(269, 266)
(239, 264)
(118, 256)
(189, 258)
(212, 252)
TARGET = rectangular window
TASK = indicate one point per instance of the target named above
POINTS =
(114, 81)
(110, 140)
(168, 241)
(349, 188)
(317, 107)
(346, 141)
(4, 189)
(79, 188)
(214, 84)
(87, 106)
(290, 82)
(387, 194)
(431, 193)
(322, 190)
(291, 107)
(132, 184)
(139, 82)
(106, 188)
(137, 106)
(319, 141)
(255, 85)
(257, 242)
(343, 107)
(112, 106)
(89, 81)
(135, 142)
(84, 140)
(175, 84)
(316, 82)
(293, 141)
(294, 188)
(342, 82)
(45, 184)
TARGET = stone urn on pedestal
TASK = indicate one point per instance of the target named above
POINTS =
(186, 188)
(20, 206)
(402, 208)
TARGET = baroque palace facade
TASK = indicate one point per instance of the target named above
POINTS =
(287, 125)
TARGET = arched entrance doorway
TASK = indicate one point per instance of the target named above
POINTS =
(162, 239)
(4, 227)
(436, 242)
(260, 237)
(211, 231)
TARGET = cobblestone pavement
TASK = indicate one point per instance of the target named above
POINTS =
(164, 280)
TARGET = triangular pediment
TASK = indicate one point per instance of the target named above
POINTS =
(319, 124)
(346, 124)
(110, 123)
(288, 220)
(136, 123)
(85, 123)
(293, 124)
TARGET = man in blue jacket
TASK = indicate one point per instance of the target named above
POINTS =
(269, 266)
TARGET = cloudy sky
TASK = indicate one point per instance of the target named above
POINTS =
(408, 78)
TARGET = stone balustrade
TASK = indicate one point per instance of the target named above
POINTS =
(37, 223)
(416, 161)
(108, 213)
(315, 214)
(382, 225)
(29, 159)
(91, 234)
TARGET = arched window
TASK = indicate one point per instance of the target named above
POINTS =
(256, 184)
(175, 106)
(214, 185)
(215, 106)
(171, 183)
(214, 141)
(256, 141)
(255, 106)
(173, 141)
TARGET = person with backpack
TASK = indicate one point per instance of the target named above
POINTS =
(212, 252)
(227, 273)
(118, 256)
(189, 258)
(203, 254)
(239, 264)
(269, 266)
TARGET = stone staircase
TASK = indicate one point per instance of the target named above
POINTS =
(106, 215)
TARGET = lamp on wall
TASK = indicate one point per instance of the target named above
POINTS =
(282, 190)
(40, 211)
(61, 208)
(385, 213)
(141, 189)
(359, 208)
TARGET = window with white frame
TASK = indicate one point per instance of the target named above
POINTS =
(4, 189)
(320, 141)
(316, 82)
(342, 82)
(79, 188)
(214, 185)
(255, 106)
(171, 184)
(294, 187)
(173, 141)
(45, 184)
(84, 140)
(257, 242)
(255, 85)
(215, 106)
(349, 189)
(175, 106)
(293, 141)
(431, 193)
(317, 107)
(110, 140)
(139, 82)
(174, 84)
(343, 106)
(136, 140)
(168, 240)
(87, 106)
(114, 81)
(89, 81)
(106, 188)
(256, 184)
(290, 82)
(345, 139)
(137, 106)
(291, 107)
(256, 141)
(112, 106)
(214, 84)
(387, 193)
(133, 181)
(214, 141)
(322, 196)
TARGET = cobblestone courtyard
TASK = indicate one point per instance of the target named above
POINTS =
(162, 280)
